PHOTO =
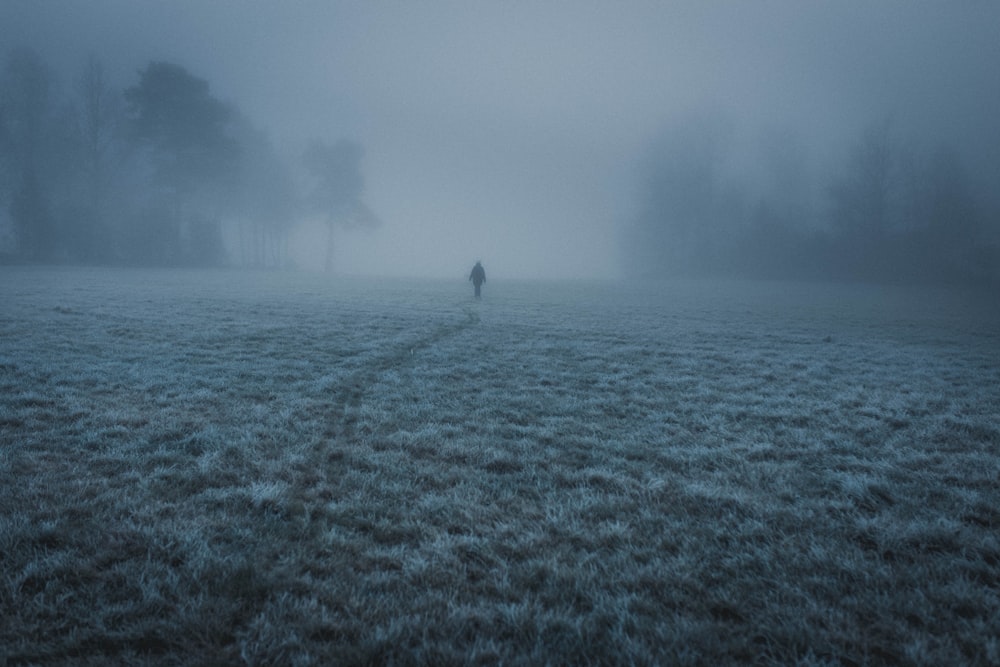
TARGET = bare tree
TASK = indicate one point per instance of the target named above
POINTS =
(901, 214)
(99, 119)
(866, 203)
(265, 200)
(685, 212)
(25, 89)
(337, 188)
(864, 195)
(943, 233)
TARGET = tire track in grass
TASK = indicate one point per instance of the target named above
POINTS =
(348, 396)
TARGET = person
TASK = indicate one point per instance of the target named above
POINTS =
(478, 276)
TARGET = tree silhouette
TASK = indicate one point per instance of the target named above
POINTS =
(865, 203)
(684, 211)
(98, 121)
(337, 187)
(265, 202)
(185, 130)
(25, 91)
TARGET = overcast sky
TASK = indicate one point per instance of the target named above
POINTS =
(510, 131)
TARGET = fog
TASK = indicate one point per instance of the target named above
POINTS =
(535, 135)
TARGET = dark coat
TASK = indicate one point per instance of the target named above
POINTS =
(478, 275)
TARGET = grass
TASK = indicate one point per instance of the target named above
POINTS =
(238, 468)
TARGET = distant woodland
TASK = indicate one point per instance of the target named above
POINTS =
(892, 212)
(161, 173)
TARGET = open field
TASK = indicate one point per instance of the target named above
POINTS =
(267, 468)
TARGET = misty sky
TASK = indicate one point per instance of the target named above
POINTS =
(511, 131)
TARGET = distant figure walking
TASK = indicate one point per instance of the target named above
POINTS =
(478, 277)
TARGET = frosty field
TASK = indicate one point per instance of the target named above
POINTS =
(290, 469)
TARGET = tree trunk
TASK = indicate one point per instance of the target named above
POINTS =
(328, 265)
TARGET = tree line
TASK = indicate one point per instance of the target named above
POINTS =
(891, 211)
(158, 173)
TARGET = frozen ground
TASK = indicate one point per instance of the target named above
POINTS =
(270, 468)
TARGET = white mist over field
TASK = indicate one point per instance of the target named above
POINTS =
(516, 132)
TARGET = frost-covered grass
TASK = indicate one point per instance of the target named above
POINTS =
(233, 468)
